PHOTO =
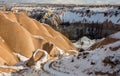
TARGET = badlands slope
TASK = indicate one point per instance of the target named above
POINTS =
(102, 60)
(21, 35)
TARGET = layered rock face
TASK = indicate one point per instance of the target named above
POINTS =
(21, 34)
(93, 22)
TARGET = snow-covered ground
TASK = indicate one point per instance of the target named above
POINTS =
(83, 14)
(91, 15)
(103, 61)
(84, 43)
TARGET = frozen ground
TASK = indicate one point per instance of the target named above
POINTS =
(102, 61)
(91, 15)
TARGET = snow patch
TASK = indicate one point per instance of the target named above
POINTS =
(2, 39)
(38, 37)
(116, 35)
(21, 57)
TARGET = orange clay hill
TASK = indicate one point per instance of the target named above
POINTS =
(23, 35)
(108, 40)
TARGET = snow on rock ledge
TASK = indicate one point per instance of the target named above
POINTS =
(91, 15)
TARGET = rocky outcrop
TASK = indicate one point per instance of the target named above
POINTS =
(23, 35)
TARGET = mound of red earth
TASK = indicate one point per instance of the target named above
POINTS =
(108, 40)
(23, 35)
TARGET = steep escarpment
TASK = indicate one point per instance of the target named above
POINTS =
(22, 35)
(93, 22)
